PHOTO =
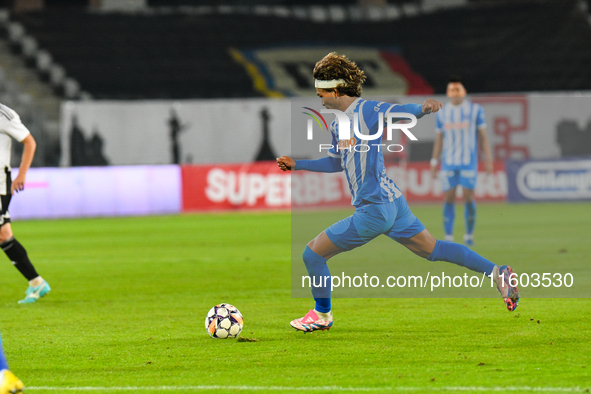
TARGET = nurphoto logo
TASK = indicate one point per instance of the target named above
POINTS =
(346, 141)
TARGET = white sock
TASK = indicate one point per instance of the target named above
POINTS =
(324, 316)
(36, 281)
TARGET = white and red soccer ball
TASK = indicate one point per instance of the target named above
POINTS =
(224, 321)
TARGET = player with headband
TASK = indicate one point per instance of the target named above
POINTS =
(380, 207)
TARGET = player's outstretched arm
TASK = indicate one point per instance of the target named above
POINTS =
(28, 153)
(418, 110)
(485, 146)
(326, 164)
(436, 152)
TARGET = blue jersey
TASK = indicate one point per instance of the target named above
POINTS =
(364, 165)
(459, 124)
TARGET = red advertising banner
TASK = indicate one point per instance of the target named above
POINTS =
(417, 184)
(262, 185)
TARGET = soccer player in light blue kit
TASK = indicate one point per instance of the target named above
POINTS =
(9, 384)
(458, 125)
(380, 207)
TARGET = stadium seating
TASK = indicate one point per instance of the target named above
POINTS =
(176, 55)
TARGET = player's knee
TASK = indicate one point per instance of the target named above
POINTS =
(421, 253)
(424, 251)
(312, 260)
(311, 245)
(422, 244)
(468, 198)
(306, 253)
(419, 250)
(450, 197)
(5, 234)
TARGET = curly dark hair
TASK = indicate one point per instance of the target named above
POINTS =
(335, 66)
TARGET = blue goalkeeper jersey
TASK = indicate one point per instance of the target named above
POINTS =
(364, 166)
(459, 124)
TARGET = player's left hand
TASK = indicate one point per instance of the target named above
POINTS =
(18, 184)
(488, 167)
(431, 105)
(434, 172)
(286, 163)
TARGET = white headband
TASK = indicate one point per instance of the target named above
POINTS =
(334, 83)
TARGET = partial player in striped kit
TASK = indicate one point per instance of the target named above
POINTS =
(380, 207)
(12, 127)
(460, 125)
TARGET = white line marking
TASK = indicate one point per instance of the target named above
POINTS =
(321, 388)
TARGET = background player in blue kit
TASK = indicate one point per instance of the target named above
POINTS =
(459, 126)
(380, 207)
(9, 384)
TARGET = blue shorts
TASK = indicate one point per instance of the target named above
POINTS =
(451, 179)
(393, 219)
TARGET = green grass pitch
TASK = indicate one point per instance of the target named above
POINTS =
(130, 296)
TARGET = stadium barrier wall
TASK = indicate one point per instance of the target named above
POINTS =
(204, 131)
(153, 190)
(533, 126)
(549, 180)
(98, 191)
(262, 185)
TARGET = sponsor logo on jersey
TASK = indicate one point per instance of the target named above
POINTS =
(457, 125)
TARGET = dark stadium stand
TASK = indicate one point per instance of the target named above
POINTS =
(177, 3)
(529, 46)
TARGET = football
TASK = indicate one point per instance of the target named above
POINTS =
(224, 321)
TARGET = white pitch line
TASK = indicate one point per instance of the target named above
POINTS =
(320, 388)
